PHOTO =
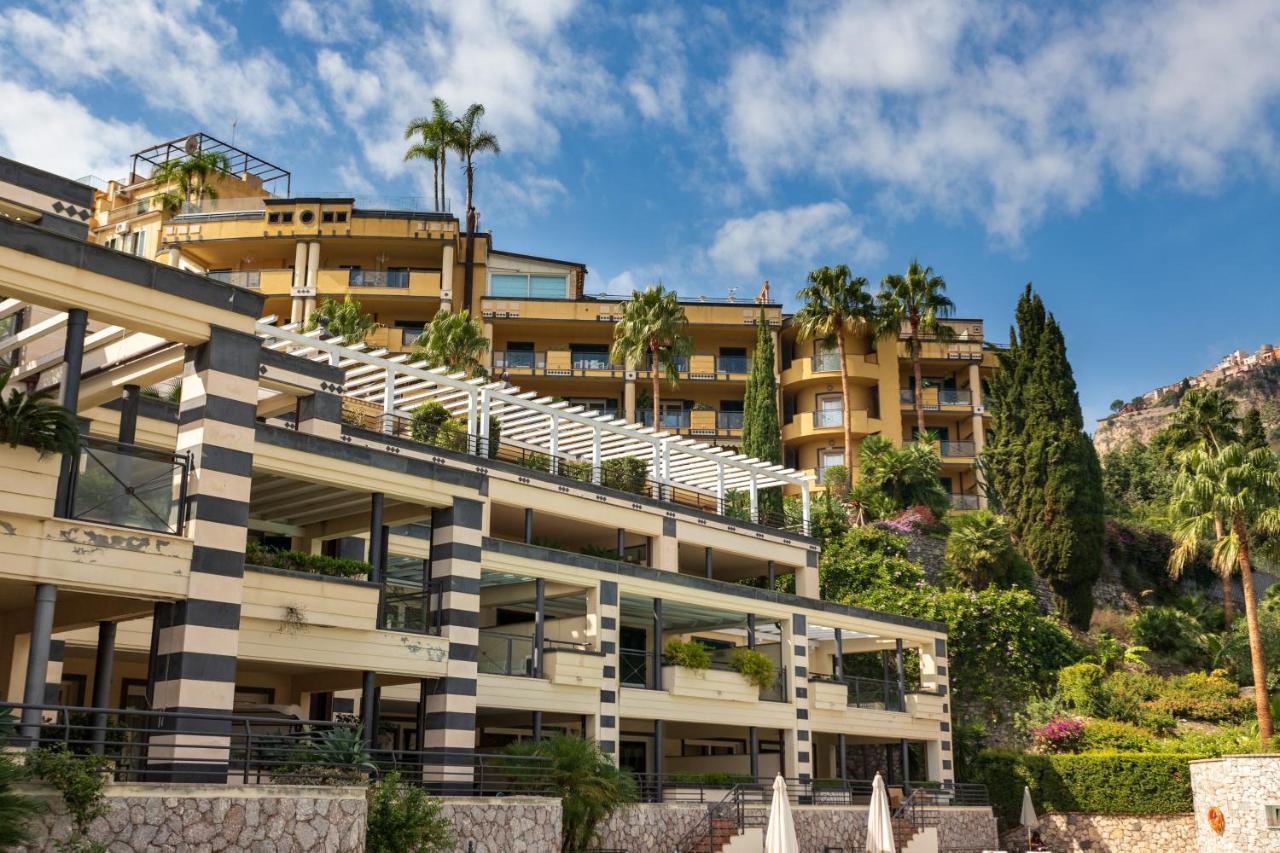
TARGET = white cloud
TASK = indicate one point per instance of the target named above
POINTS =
(57, 133)
(659, 75)
(976, 108)
(174, 55)
(795, 236)
(327, 21)
(518, 199)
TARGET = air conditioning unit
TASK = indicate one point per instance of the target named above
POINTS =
(122, 228)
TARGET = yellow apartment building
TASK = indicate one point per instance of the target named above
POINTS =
(549, 334)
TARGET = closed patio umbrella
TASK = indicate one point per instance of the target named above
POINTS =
(879, 820)
(780, 837)
(1028, 818)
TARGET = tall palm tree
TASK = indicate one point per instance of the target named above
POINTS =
(469, 140)
(344, 318)
(437, 132)
(653, 329)
(1206, 419)
(192, 179)
(453, 341)
(1243, 489)
(916, 301)
(834, 303)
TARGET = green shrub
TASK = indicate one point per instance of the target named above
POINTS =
(689, 654)
(1171, 631)
(257, 554)
(1081, 688)
(1207, 697)
(404, 819)
(34, 419)
(836, 479)
(15, 809)
(1115, 736)
(580, 471)
(1237, 648)
(536, 461)
(1100, 783)
(81, 781)
(626, 474)
(756, 667)
(980, 550)
(334, 756)
(432, 424)
(495, 436)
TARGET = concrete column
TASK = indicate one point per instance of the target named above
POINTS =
(102, 683)
(129, 400)
(659, 734)
(842, 756)
(837, 667)
(528, 526)
(938, 762)
(902, 675)
(377, 557)
(797, 741)
(299, 282)
(629, 398)
(539, 623)
(46, 599)
(320, 414)
(906, 765)
(655, 644)
(753, 744)
(369, 707)
(537, 725)
(447, 264)
(604, 599)
(313, 280)
(979, 431)
(708, 565)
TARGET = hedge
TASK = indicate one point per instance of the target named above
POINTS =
(1096, 783)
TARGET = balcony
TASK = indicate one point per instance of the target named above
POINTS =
(129, 486)
(733, 364)
(519, 361)
(503, 653)
(823, 418)
(934, 399)
(391, 282)
(698, 422)
(833, 693)
(825, 365)
(249, 279)
(949, 351)
(804, 424)
(964, 502)
(957, 449)
(379, 278)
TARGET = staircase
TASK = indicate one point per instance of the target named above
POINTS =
(718, 832)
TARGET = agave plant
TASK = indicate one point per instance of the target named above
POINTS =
(33, 419)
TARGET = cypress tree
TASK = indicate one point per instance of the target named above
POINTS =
(1252, 434)
(761, 434)
(1041, 463)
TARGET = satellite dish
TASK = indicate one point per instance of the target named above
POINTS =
(192, 144)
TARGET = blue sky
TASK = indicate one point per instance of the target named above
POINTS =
(1122, 156)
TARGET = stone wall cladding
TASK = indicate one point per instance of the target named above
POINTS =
(169, 818)
(1241, 786)
(504, 825)
(652, 828)
(1106, 833)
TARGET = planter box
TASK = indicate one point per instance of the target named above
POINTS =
(829, 696)
(28, 483)
(702, 421)
(576, 669)
(927, 705)
(708, 684)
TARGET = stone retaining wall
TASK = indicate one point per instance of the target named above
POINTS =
(1107, 833)
(169, 818)
(504, 824)
(1241, 787)
(655, 828)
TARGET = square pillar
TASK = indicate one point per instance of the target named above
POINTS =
(606, 729)
(198, 638)
(455, 563)
(798, 740)
(320, 414)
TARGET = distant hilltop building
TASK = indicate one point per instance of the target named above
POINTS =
(1232, 365)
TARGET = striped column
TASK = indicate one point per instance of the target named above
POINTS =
(934, 671)
(799, 741)
(53, 674)
(451, 706)
(198, 638)
(606, 733)
(320, 414)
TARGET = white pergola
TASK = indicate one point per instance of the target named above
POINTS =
(399, 385)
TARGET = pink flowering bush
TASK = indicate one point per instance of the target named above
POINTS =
(911, 520)
(1063, 734)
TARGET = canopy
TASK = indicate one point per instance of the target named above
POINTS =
(780, 837)
(879, 820)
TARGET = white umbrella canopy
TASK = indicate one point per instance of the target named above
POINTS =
(879, 820)
(780, 837)
(1028, 818)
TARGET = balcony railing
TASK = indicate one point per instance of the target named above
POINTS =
(729, 420)
(955, 397)
(505, 654)
(250, 279)
(870, 693)
(129, 486)
(957, 449)
(964, 502)
(415, 611)
(519, 360)
(636, 668)
(668, 420)
(828, 418)
(733, 364)
(398, 279)
(825, 362)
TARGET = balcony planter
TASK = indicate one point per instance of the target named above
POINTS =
(708, 684)
(702, 420)
(573, 668)
(928, 705)
(829, 695)
(28, 484)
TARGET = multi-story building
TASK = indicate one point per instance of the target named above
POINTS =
(502, 598)
(548, 333)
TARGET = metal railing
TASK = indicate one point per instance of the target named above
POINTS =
(415, 611)
(964, 502)
(129, 486)
(957, 448)
(636, 668)
(250, 279)
(514, 360)
(955, 397)
(137, 746)
(505, 654)
(668, 420)
(733, 364)
(869, 693)
(398, 279)
(729, 420)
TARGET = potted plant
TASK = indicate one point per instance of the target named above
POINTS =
(686, 671)
(36, 432)
(756, 667)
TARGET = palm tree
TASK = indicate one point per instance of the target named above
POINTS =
(1206, 419)
(653, 329)
(192, 178)
(835, 303)
(437, 132)
(344, 318)
(1242, 488)
(915, 301)
(469, 140)
(455, 342)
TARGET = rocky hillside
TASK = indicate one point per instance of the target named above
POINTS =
(1259, 388)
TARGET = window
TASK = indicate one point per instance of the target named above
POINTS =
(733, 360)
(326, 216)
(829, 411)
(589, 356)
(410, 330)
(527, 286)
(286, 218)
(519, 354)
(596, 404)
(273, 218)
(342, 216)
(827, 458)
